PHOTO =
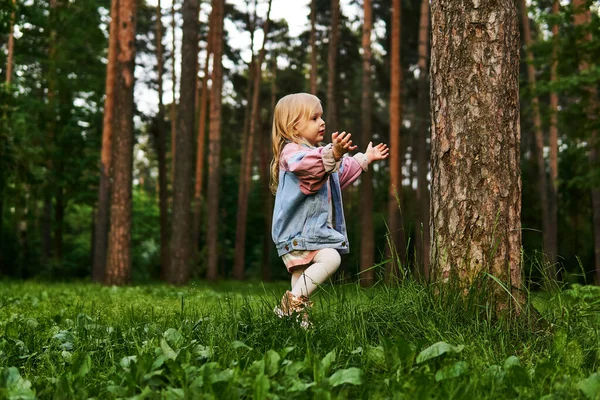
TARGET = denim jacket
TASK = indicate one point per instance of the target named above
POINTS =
(301, 208)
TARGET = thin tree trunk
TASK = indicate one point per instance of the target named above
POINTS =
(198, 197)
(582, 16)
(476, 180)
(214, 146)
(332, 53)
(367, 245)
(174, 102)
(59, 214)
(539, 143)
(11, 44)
(102, 215)
(161, 150)
(251, 25)
(553, 186)
(313, 47)
(396, 241)
(118, 268)
(181, 241)
(422, 241)
(244, 189)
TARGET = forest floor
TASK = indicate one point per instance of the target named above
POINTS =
(222, 341)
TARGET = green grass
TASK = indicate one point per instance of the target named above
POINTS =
(79, 340)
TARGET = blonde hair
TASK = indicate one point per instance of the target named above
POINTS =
(289, 111)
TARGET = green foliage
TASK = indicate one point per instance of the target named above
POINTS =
(156, 342)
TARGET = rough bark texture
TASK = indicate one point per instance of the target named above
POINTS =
(198, 196)
(118, 267)
(553, 139)
(244, 187)
(476, 180)
(161, 147)
(181, 239)
(549, 247)
(174, 87)
(313, 47)
(367, 245)
(332, 53)
(214, 145)
(422, 241)
(102, 214)
(11, 44)
(582, 16)
(396, 240)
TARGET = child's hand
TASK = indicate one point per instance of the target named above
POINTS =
(341, 144)
(378, 152)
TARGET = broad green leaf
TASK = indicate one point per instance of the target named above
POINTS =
(126, 361)
(173, 394)
(16, 387)
(294, 368)
(173, 337)
(573, 355)
(590, 386)
(300, 386)
(237, 344)
(261, 386)
(512, 361)
(451, 371)
(376, 355)
(436, 350)
(167, 351)
(327, 361)
(352, 376)
(81, 364)
(272, 362)
(284, 353)
(223, 376)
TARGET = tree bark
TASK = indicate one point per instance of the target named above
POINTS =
(396, 242)
(244, 187)
(11, 44)
(553, 139)
(102, 214)
(181, 239)
(476, 181)
(162, 150)
(214, 144)
(313, 47)
(549, 251)
(118, 268)
(198, 197)
(332, 53)
(367, 245)
(582, 16)
(174, 92)
(422, 242)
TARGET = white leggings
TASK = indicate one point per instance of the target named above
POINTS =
(324, 265)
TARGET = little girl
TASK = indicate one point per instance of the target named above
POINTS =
(308, 220)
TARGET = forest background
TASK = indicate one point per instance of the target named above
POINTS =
(54, 67)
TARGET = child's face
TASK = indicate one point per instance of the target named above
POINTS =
(313, 128)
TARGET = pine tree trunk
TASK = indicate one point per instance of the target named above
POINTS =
(422, 241)
(367, 245)
(214, 144)
(313, 47)
(332, 53)
(251, 25)
(476, 180)
(244, 189)
(582, 16)
(102, 214)
(118, 267)
(539, 143)
(396, 240)
(162, 150)
(181, 239)
(198, 196)
(553, 186)
(11, 45)
(174, 92)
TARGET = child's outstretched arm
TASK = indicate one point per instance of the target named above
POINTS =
(379, 152)
(352, 167)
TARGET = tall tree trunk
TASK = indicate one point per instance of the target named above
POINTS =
(162, 150)
(174, 91)
(198, 196)
(539, 143)
(553, 186)
(102, 215)
(582, 16)
(332, 53)
(367, 245)
(118, 267)
(244, 187)
(313, 47)
(11, 44)
(181, 240)
(214, 144)
(476, 180)
(396, 241)
(59, 214)
(251, 26)
(422, 241)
